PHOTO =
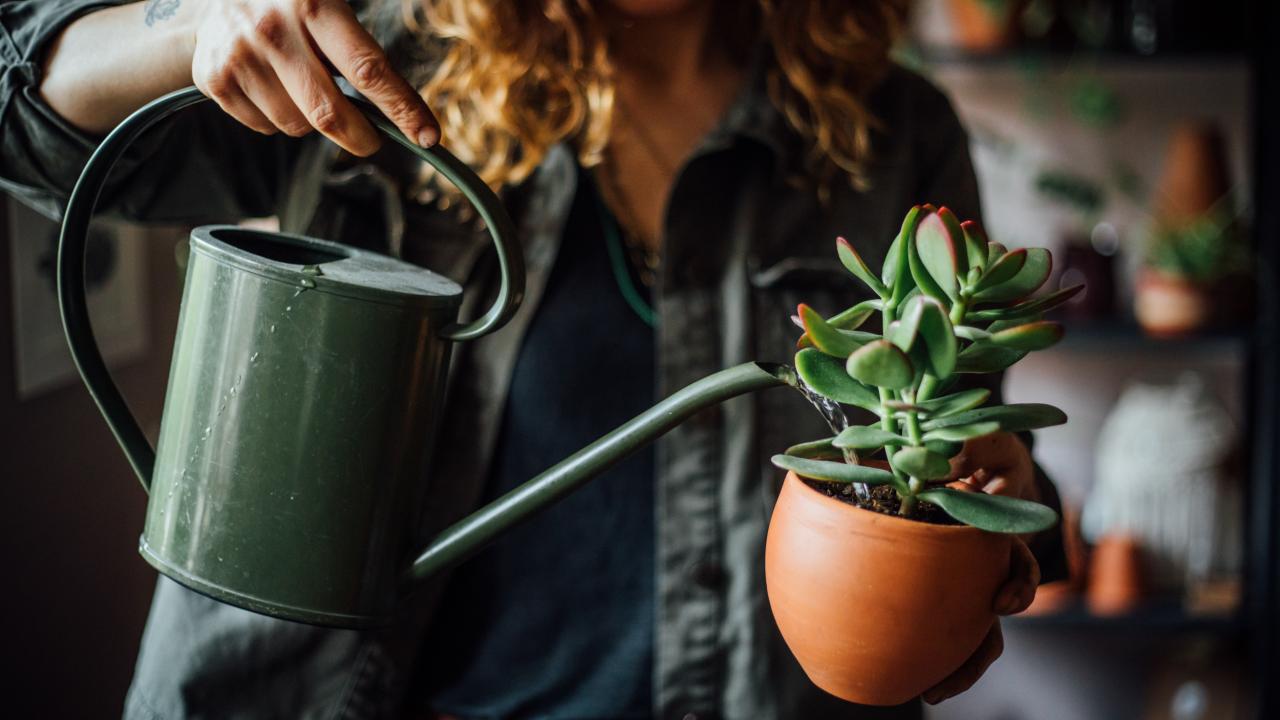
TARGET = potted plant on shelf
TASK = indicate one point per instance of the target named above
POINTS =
(1177, 287)
(884, 590)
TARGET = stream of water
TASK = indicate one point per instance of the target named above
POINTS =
(834, 416)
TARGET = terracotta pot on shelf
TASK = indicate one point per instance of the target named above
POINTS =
(1116, 576)
(978, 27)
(1170, 306)
(876, 608)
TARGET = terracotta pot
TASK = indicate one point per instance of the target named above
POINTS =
(1170, 306)
(1195, 175)
(1116, 582)
(980, 28)
(877, 608)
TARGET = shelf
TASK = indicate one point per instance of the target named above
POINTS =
(1161, 618)
(1126, 336)
(1034, 58)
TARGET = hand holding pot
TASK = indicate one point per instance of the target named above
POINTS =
(998, 464)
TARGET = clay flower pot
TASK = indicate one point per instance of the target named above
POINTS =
(1116, 582)
(979, 27)
(1170, 306)
(877, 608)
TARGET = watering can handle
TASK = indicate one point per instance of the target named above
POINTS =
(83, 202)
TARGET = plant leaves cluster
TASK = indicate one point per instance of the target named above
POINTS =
(950, 303)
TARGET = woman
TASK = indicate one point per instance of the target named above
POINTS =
(678, 170)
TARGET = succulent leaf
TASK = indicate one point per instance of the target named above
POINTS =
(835, 471)
(1034, 271)
(1011, 418)
(922, 463)
(952, 404)
(867, 437)
(1003, 269)
(945, 448)
(937, 259)
(994, 251)
(967, 332)
(881, 364)
(825, 337)
(975, 244)
(984, 358)
(826, 376)
(848, 319)
(1031, 336)
(895, 270)
(1028, 309)
(817, 450)
(939, 338)
(902, 332)
(958, 433)
(854, 264)
(993, 513)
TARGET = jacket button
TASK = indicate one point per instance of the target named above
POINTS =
(708, 574)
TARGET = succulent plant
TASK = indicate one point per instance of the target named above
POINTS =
(1201, 251)
(951, 303)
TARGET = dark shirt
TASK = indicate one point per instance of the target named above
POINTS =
(555, 619)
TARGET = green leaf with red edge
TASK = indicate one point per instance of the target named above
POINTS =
(993, 513)
(1034, 271)
(1031, 336)
(867, 437)
(975, 244)
(1028, 309)
(902, 332)
(938, 259)
(1011, 418)
(981, 358)
(817, 450)
(921, 462)
(957, 433)
(896, 269)
(826, 376)
(881, 364)
(848, 319)
(837, 471)
(853, 262)
(824, 337)
(1003, 269)
(939, 339)
(994, 251)
(956, 230)
(955, 403)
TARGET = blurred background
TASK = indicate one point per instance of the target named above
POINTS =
(1133, 137)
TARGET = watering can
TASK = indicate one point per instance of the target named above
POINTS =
(305, 388)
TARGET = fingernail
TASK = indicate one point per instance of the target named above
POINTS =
(932, 698)
(428, 137)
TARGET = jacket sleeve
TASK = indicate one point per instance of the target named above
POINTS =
(949, 179)
(199, 166)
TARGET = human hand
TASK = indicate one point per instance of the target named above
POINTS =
(267, 64)
(1001, 465)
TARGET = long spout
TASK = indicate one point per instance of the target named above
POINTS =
(469, 535)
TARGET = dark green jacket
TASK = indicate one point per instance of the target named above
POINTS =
(744, 243)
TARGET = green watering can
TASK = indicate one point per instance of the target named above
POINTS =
(305, 388)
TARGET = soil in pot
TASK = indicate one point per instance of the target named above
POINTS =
(882, 499)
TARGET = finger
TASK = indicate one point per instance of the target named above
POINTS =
(1019, 590)
(358, 57)
(309, 85)
(1000, 485)
(264, 90)
(962, 679)
(224, 90)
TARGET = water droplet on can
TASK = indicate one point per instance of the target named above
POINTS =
(254, 357)
(273, 327)
(308, 283)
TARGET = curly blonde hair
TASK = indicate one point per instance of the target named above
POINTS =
(518, 76)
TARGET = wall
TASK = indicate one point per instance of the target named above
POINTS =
(70, 514)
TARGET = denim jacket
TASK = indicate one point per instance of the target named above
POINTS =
(745, 240)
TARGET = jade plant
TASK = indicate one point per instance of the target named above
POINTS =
(950, 303)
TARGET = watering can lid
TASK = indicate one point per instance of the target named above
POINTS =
(326, 266)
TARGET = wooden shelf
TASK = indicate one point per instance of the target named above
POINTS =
(1126, 336)
(1163, 618)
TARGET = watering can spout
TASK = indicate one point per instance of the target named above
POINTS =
(471, 534)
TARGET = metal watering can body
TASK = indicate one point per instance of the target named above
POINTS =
(306, 383)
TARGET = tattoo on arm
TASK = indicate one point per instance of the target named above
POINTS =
(159, 10)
